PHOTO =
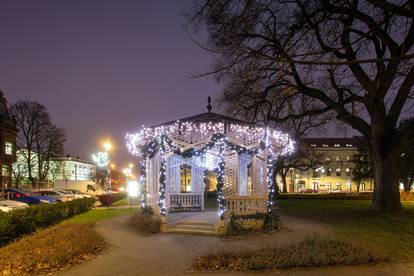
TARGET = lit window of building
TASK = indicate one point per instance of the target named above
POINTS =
(328, 172)
(338, 158)
(8, 148)
(348, 172)
(338, 172)
(347, 158)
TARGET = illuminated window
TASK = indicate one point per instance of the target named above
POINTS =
(348, 172)
(328, 172)
(8, 148)
(185, 178)
(5, 171)
(338, 172)
(338, 158)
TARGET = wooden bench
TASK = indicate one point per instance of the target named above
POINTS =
(185, 203)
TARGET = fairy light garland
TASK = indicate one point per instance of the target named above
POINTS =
(143, 194)
(148, 141)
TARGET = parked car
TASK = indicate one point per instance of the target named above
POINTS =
(26, 196)
(10, 205)
(58, 195)
(75, 193)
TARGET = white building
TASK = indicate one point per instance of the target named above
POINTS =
(70, 168)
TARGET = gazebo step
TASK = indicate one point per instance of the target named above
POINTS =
(192, 231)
(189, 227)
(189, 222)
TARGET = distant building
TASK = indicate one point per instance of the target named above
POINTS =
(70, 168)
(59, 168)
(8, 134)
(334, 171)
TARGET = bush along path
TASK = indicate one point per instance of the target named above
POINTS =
(21, 222)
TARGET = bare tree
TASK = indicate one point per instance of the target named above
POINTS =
(352, 58)
(37, 139)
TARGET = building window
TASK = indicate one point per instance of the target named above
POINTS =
(338, 186)
(185, 178)
(338, 172)
(328, 171)
(8, 148)
(328, 159)
(316, 173)
(348, 158)
(338, 158)
(348, 172)
(5, 171)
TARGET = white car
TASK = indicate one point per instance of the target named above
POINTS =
(75, 193)
(58, 195)
(10, 205)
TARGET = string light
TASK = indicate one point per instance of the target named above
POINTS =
(148, 141)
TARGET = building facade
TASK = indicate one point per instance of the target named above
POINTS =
(70, 168)
(8, 133)
(334, 169)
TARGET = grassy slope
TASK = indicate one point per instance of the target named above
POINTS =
(96, 215)
(389, 234)
(59, 246)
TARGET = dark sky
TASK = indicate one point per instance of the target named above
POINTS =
(102, 68)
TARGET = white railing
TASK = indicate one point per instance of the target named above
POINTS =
(182, 203)
(245, 205)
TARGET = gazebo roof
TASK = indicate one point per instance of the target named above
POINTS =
(208, 117)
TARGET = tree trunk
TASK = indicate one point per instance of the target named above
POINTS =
(284, 182)
(386, 196)
(358, 184)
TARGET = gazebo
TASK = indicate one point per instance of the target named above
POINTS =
(181, 159)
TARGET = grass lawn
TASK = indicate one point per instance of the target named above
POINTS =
(57, 247)
(391, 235)
(96, 215)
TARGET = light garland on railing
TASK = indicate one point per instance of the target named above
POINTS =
(148, 141)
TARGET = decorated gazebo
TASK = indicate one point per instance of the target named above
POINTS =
(177, 157)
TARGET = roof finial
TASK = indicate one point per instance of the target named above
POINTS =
(209, 104)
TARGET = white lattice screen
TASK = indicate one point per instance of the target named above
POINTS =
(230, 173)
(259, 176)
(243, 173)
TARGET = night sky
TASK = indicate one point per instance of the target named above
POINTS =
(102, 68)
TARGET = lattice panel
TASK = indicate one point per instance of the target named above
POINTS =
(173, 174)
(260, 177)
(197, 179)
(243, 173)
(230, 173)
(152, 178)
(245, 139)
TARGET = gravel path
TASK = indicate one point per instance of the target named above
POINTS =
(172, 254)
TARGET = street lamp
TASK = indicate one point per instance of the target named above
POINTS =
(102, 160)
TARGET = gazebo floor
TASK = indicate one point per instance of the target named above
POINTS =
(197, 223)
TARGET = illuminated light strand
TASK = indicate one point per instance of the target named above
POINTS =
(148, 141)
(143, 193)
(162, 192)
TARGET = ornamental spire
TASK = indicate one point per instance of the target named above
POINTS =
(209, 104)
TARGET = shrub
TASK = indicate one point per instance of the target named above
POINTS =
(145, 221)
(109, 199)
(313, 251)
(51, 249)
(327, 196)
(25, 221)
(247, 224)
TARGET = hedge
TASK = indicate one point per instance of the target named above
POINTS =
(109, 199)
(21, 222)
(327, 196)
